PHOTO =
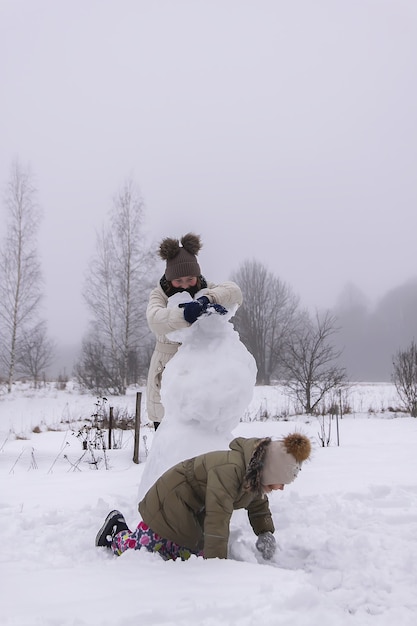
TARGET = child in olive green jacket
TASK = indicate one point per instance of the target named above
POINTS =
(188, 510)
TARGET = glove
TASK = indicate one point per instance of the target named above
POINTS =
(266, 545)
(193, 310)
(204, 301)
(218, 308)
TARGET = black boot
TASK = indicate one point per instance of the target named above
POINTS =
(113, 524)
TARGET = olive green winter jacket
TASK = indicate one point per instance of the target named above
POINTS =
(192, 503)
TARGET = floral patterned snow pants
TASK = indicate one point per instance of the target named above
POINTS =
(144, 537)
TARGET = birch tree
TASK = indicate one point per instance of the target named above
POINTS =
(116, 294)
(20, 275)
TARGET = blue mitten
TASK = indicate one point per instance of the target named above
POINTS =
(193, 310)
(204, 301)
(266, 545)
(218, 308)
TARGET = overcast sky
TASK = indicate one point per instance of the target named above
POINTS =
(283, 131)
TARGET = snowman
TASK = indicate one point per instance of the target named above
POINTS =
(206, 388)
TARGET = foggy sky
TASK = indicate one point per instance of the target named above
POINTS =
(280, 131)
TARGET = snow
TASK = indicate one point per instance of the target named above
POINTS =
(346, 527)
(211, 357)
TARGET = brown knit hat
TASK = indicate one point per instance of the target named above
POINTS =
(283, 459)
(181, 260)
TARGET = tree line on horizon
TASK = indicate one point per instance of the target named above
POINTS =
(312, 354)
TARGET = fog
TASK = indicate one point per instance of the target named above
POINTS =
(281, 131)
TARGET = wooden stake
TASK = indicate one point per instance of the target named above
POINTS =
(137, 428)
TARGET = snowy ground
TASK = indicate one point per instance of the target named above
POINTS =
(347, 527)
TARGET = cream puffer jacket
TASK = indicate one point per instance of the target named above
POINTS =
(163, 320)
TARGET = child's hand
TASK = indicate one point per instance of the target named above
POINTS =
(193, 310)
(266, 545)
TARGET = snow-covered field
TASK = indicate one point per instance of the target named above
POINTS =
(347, 527)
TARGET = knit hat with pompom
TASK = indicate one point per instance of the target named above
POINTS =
(181, 259)
(283, 459)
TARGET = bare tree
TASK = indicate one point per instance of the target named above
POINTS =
(311, 361)
(36, 352)
(405, 377)
(20, 275)
(94, 369)
(266, 317)
(116, 293)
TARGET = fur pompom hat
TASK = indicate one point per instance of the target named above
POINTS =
(181, 259)
(283, 459)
